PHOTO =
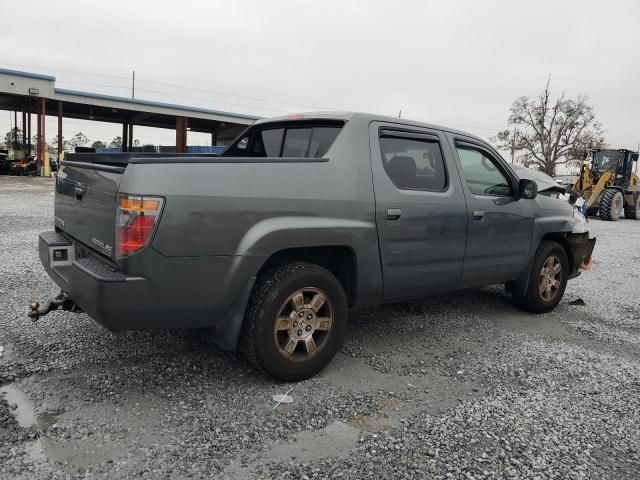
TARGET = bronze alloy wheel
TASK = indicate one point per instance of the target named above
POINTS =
(303, 324)
(550, 278)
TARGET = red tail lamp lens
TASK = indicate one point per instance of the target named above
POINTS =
(136, 222)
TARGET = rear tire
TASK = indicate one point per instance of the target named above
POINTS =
(295, 321)
(632, 212)
(611, 204)
(547, 280)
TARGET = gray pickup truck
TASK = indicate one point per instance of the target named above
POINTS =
(301, 218)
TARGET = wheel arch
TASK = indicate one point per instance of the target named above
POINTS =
(340, 260)
(519, 285)
(562, 239)
(346, 247)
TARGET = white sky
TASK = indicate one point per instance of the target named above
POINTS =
(459, 63)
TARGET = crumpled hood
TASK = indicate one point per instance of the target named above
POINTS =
(544, 181)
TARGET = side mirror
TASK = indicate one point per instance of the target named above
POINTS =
(528, 189)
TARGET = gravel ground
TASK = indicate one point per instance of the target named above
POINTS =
(460, 386)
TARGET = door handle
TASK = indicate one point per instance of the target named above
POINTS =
(478, 215)
(393, 213)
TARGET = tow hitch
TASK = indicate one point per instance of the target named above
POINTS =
(61, 302)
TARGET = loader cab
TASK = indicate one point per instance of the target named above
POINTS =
(618, 161)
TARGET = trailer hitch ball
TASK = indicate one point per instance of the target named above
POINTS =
(33, 315)
(61, 302)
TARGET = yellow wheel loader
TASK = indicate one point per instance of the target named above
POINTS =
(610, 184)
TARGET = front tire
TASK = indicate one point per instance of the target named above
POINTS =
(547, 280)
(295, 322)
(611, 204)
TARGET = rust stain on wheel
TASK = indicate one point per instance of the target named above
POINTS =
(303, 324)
(550, 278)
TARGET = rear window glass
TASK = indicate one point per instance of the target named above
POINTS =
(296, 143)
(267, 143)
(321, 139)
(291, 141)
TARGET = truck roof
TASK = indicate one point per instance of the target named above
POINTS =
(371, 117)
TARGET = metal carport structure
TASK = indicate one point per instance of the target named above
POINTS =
(32, 93)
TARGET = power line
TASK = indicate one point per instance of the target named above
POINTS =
(175, 95)
(172, 85)
(216, 101)
(66, 71)
(92, 84)
(139, 80)
(260, 99)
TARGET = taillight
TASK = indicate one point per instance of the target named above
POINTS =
(136, 220)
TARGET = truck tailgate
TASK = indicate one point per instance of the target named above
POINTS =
(85, 203)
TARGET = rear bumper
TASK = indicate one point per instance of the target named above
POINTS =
(174, 296)
(106, 295)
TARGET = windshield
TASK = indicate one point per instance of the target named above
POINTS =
(608, 161)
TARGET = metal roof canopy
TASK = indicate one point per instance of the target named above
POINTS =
(19, 90)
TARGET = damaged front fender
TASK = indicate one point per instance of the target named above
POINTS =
(580, 250)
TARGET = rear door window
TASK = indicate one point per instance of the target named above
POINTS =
(414, 163)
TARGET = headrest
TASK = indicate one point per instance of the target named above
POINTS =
(402, 170)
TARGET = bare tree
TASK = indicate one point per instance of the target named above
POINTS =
(65, 143)
(548, 133)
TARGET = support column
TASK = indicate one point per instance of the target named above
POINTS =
(125, 135)
(130, 147)
(24, 129)
(214, 138)
(29, 131)
(39, 115)
(42, 143)
(59, 129)
(181, 134)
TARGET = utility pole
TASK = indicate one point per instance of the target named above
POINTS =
(400, 114)
(133, 85)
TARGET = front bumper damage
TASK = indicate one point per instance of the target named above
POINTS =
(581, 248)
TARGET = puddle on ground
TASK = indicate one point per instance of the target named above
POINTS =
(26, 417)
(337, 439)
(24, 414)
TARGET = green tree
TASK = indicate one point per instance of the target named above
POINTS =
(98, 144)
(13, 138)
(78, 140)
(546, 133)
(116, 142)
